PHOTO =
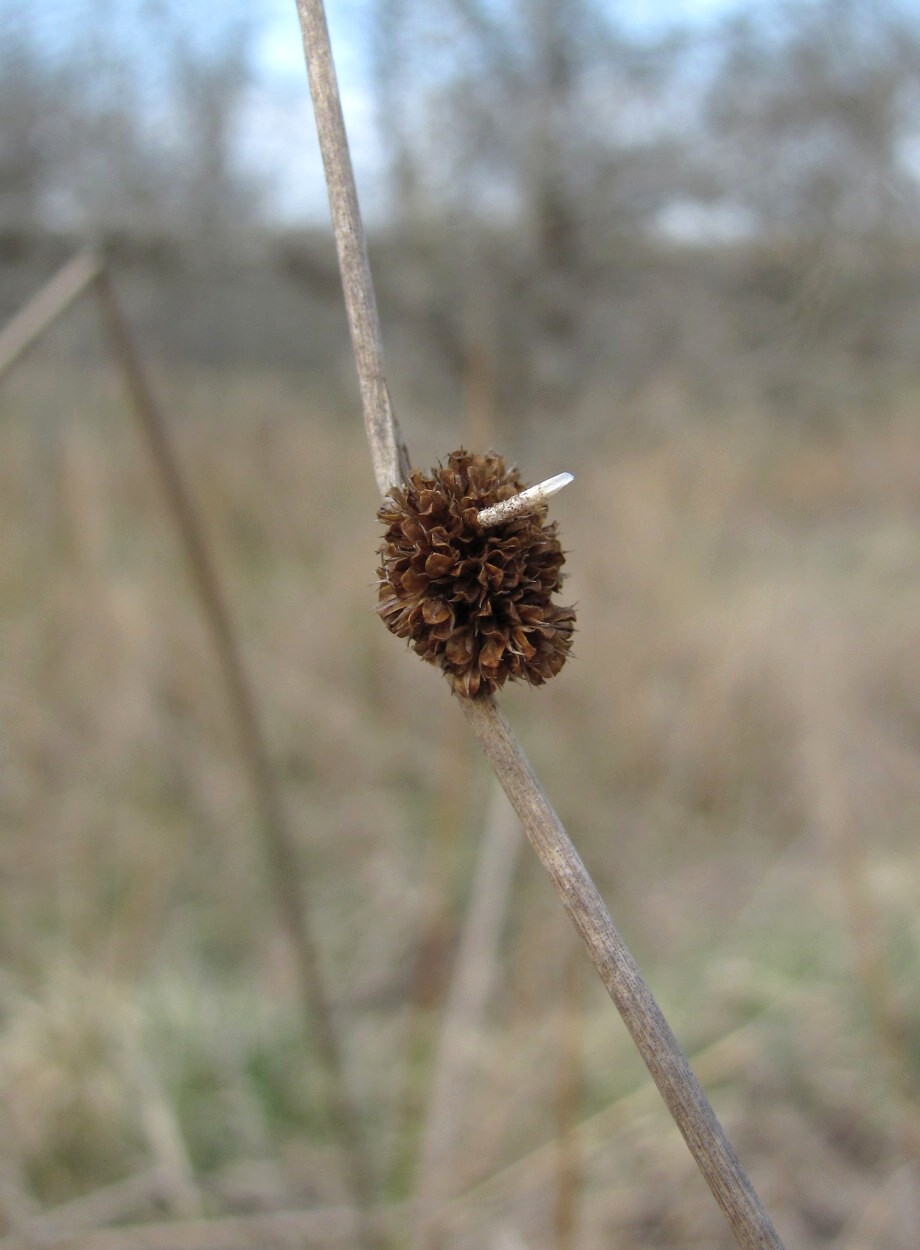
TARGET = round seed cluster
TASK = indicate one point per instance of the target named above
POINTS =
(475, 600)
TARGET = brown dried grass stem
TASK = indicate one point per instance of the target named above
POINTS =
(388, 450)
(723, 1061)
(659, 1048)
(119, 1203)
(323, 1227)
(464, 1014)
(279, 842)
(570, 1080)
(45, 306)
(650, 1031)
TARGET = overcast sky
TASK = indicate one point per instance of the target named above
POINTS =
(279, 140)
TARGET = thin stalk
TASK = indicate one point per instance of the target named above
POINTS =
(279, 842)
(434, 943)
(117, 1203)
(568, 1096)
(650, 1031)
(45, 306)
(726, 1059)
(659, 1048)
(462, 1021)
(388, 450)
(826, 778)
(326, 1228)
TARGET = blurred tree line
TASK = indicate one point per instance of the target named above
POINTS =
(575, 210)
(119, 120)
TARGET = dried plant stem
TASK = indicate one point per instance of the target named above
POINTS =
(388, 451)
(45, 307)
(659, 1048)
(464, 1012)
(527, 501)
(724, 1060)
(165, 1139)
(434, 939)
(279, 841)
(297, 1229)
(120, 1202)
(651, 1033)
(570, 1079)
(825, 780)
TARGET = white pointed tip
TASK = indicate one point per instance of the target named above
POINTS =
(526, 501)
(554, 484)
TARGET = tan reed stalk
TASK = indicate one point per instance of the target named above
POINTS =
(164, 1136)
(650, 1031)
(436, 931)
(326, 1228)
(45, 306)
(117, 1203)
(79, 275)
(464, 1014)
(825, 781)
(723, 1060)
(454, 777)
(279, 842)
(570, 1078)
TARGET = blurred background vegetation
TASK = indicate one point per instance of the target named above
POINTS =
(675, 253)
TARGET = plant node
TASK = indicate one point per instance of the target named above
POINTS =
(474, 599)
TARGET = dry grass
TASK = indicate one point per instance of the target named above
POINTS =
(734, 750)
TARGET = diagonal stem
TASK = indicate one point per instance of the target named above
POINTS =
(45, 306)
(650, 1031)
(388, 450)
(464, 1010)
(280, 846)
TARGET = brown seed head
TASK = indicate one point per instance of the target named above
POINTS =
(475, 600)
